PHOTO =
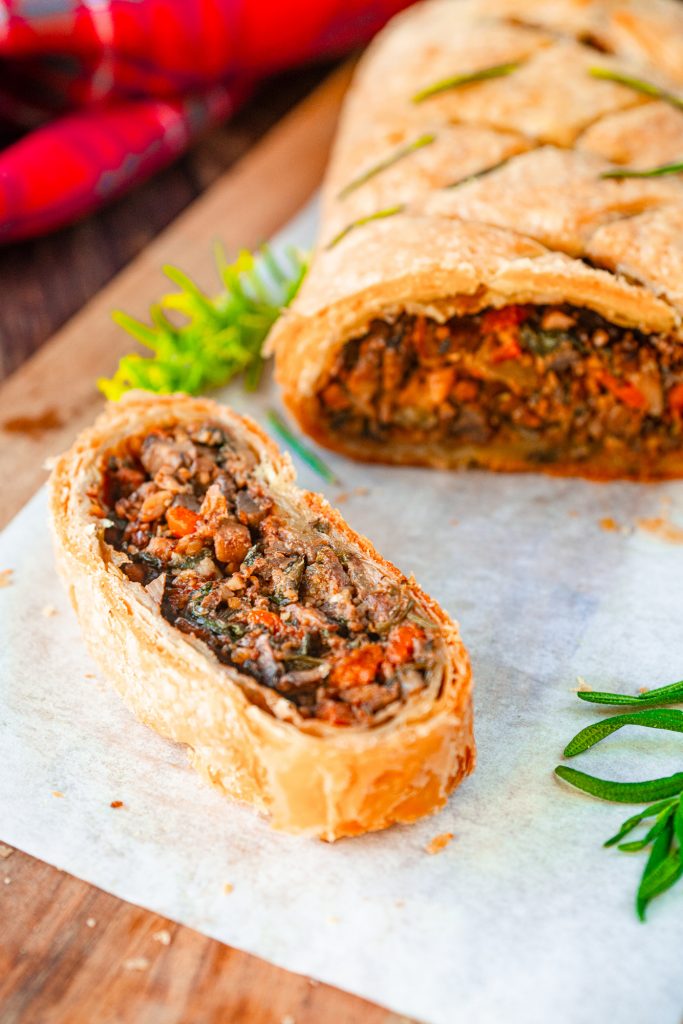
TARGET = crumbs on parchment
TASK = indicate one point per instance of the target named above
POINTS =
(6, 577)
(48, 611)
(163, 936)
(662, 528)
(357, 492)
(5, 851)
(116, 804)
(439, 843)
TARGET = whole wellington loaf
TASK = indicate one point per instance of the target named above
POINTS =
(498, 279)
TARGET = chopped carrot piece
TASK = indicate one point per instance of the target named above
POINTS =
(509, 348)
(181, 521)
(675, 399)
(262, 617)
(626, 392)
(357, 668)
(498, 320)
(402, 643)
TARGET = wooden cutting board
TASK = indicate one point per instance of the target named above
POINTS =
(69, 953)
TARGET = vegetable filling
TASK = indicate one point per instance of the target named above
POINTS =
(273, 594)
(546, 382)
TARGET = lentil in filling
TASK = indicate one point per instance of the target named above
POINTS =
(273, 594)
(551, 382)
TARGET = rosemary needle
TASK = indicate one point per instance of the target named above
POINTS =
(670, 694)
(383, 165)
(622, 792)
(652, 719)
(469, 78)
(303, 451)
(638, 85)
(390, 211)
(650, 172)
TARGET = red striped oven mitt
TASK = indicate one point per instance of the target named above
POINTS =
(106, 92)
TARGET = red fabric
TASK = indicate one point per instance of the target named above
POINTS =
(110, 91)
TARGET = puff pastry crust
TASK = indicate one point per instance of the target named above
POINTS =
(307, 776)
(531, 220)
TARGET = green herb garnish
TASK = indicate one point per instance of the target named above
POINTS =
(637, 84)
(650, 172)
(592, 734)
(664, 837)
(622, 792)
(482, 173)
(219, 337)
(382, 165)
(378, 215)
(302, 450)
(469, 78)
(671, 694)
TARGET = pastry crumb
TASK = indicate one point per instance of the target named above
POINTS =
(5, 851)
(608, 523)
(228, 888)
(136, 963)
(163, 936)
(48, 611)
(7, 880)
(454, 522)
(582, 686)
(357, 492)
(116, 804)
(438, 843)
(6, 577)
(399, 903)
(662, 528)
(90, 675)
(58, 794)
(90, 922)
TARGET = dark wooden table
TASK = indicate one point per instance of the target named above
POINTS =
(69, 953)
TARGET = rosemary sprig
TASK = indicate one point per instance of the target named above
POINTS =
(219, 336)
(390, 211)
(383, 165)
(302, 450)
(650, 172)
(469, 78)
(638, 84)
(670, 694)
(664, 837)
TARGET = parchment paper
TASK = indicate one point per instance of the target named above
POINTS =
(523, 917)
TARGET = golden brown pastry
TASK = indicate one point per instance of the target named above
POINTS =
(483, 292)
(241, 616)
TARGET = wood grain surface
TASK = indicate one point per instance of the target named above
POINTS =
(69, 953)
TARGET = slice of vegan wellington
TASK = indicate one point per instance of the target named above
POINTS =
(240, 615)
(510, 294)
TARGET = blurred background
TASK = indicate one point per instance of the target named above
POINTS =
(115, 114)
